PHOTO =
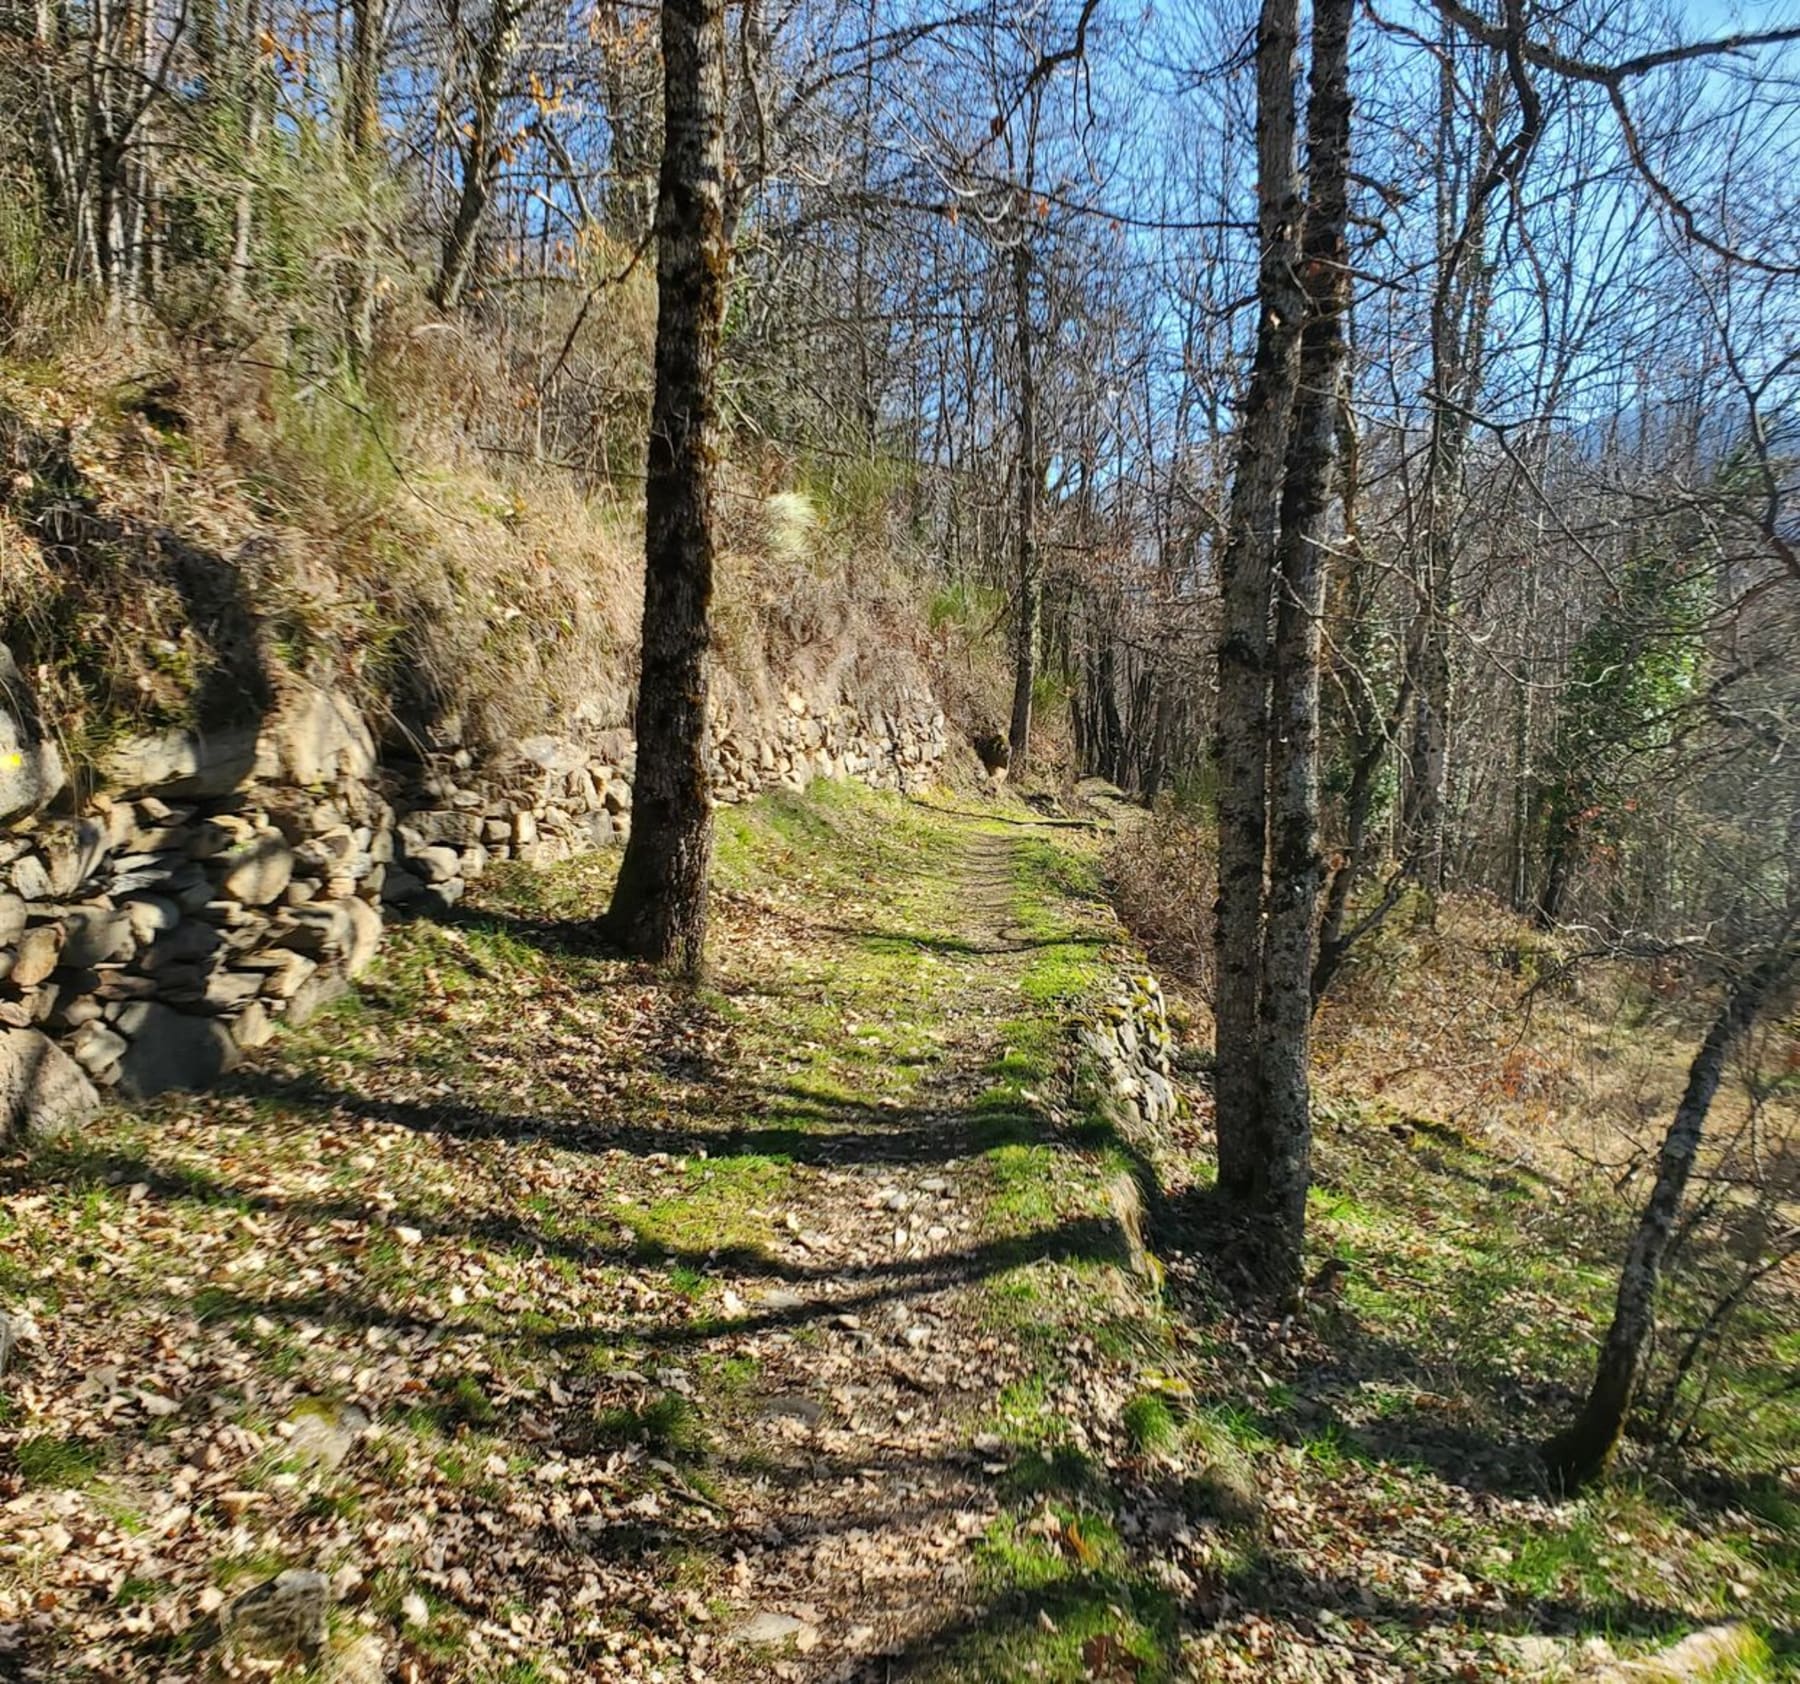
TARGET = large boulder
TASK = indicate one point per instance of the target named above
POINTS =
(182, 762)
(42, 1090)
(171, 1049)
(31, 770)
(316, 738)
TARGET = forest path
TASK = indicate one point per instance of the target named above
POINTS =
(877, 1443)
(571, 1326)
(629, 1331)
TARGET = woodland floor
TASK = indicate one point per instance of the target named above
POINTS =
(583, 1328)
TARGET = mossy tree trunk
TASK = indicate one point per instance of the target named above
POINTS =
(1296, 869)
(1579, 1454)
(1246, 566)
(659, 907)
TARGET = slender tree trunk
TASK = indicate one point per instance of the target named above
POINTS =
(362, 130)
(1030, 606)
(1459, 312)
(1297, 872)
(1112, 727)
(659, 907)
(248, 90)
(627, 74)
(480, 155)
(1371, 733)
(1156, 762)
(1245, 570)
(1579, 1454)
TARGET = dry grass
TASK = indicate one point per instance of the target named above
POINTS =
(389, 541)
(1165, 877)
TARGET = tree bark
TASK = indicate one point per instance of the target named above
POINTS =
(1579, 1454)
(1245, 570)
(1030, 606)
(1297, 871)
(480, 154)
(659, 906)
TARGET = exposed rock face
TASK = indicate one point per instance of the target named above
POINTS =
(42, 1090)
(31, 770)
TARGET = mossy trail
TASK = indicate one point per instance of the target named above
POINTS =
(930, 1207)
(584, 1327)
(699, 1334)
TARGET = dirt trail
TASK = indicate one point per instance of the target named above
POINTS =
(575, 1327)
(877, 1370)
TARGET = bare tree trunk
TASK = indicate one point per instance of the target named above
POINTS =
(1297, 872)
(480, 154)
(1245, 570)
(362, 130)
(1579, 1454)
(1156, 762)
(1030, 608)
(1371, 733)
(1459, 312)
(659, 906)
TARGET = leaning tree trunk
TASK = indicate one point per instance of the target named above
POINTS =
(1579, 1453)
(659, 907)
(1296, 870)
(1245, 568)
(1030, 609)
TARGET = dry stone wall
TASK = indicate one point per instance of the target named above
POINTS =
(550, 798)
(213, 886)
(1129, 1060)
(1125, 1069)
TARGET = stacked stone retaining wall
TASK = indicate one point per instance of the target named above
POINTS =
(210, 887)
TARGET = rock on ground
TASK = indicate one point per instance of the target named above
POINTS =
(171, 1049)
(42, 1089)
(281, 1617)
